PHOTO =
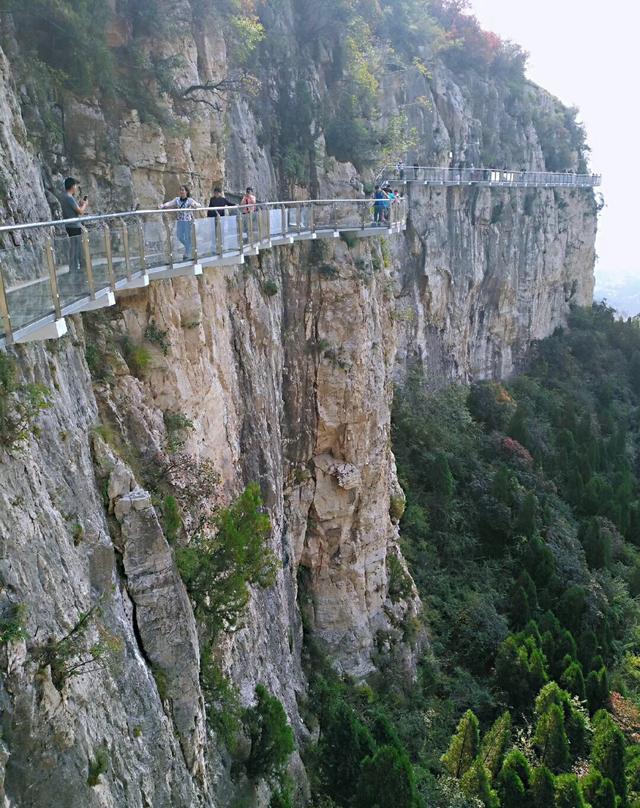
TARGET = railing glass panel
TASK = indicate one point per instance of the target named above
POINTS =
(156, 245)
(27, 282)
(99, 258)
(71, 271)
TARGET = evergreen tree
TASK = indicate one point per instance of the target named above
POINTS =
(596, 543)
(573, 680)
(513, 780)
(568, 794)
(551, 739)
(541, 793)
(387, 780)
(442, 478)
(495, 742)
(270, 735)
(476, 782)
(344, 743)
(608, 752)
(527, 522)
(597, 689)
(598, 790)
(463, 747)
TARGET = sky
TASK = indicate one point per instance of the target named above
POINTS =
(587, 52)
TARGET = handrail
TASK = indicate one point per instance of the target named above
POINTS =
(446, 175)
(101, 217)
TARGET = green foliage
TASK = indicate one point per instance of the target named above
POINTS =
(387, 780)
(221, 701)
(20, 406)
(137, 357)
(75, 654)
(68, 37)
(551, 739)
(98, 766)
(13, 624)
(400, 587)
(476, 782)
(542, 789)
(608, 752)
(495, 743)
(598, 791)
(568, 793)
(270, 735)
(270, 288)
(463, 748)
(224, 558)
(172, 520)
(158, 336)
(176, 424)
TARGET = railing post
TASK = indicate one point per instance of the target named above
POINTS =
(312, 217)
(53, 278)
(125, 249)
(299, 216)
(194, 241)
(283, 219)
(109, 256)
(251, 214)
(240, 229)
(167, 232)
(363, 215)
(143, 259)
(4, 311)
(260, 226)
(219, 239)
(87, 262)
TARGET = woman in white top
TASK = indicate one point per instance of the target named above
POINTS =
(183, 226)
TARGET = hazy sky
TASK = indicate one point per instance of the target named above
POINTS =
(587, 52)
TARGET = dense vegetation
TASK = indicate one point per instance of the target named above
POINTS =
(522, 533)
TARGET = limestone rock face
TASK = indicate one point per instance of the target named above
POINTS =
(494, 270)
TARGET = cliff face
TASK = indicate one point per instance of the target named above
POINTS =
(292, 390)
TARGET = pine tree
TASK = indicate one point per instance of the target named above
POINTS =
(551, 739)
(513, 780)
(527, 522)
(387, 780)
(597, 689)
(598, 790)
(568, 794)
(573, 680)
(495, 743)
(541, 793)
(608, 752)
(596, 543)
(463, 748)
(441, 478)
(477, 783)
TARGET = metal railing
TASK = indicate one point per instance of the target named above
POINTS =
(55, 268)
(511, 178)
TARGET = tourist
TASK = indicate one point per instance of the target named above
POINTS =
(380, 198)
(218, 203)
(400, 170)
(72, 209)
(248, 201)
(391, 200)
(184, 225)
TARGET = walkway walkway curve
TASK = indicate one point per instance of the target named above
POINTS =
(38, 287)
(489, 177)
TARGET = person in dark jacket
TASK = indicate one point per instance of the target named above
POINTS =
(72, 209)
(219, 202)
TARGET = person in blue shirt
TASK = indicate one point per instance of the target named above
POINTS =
(381, 200)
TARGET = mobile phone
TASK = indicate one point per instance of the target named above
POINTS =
(84, 198)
